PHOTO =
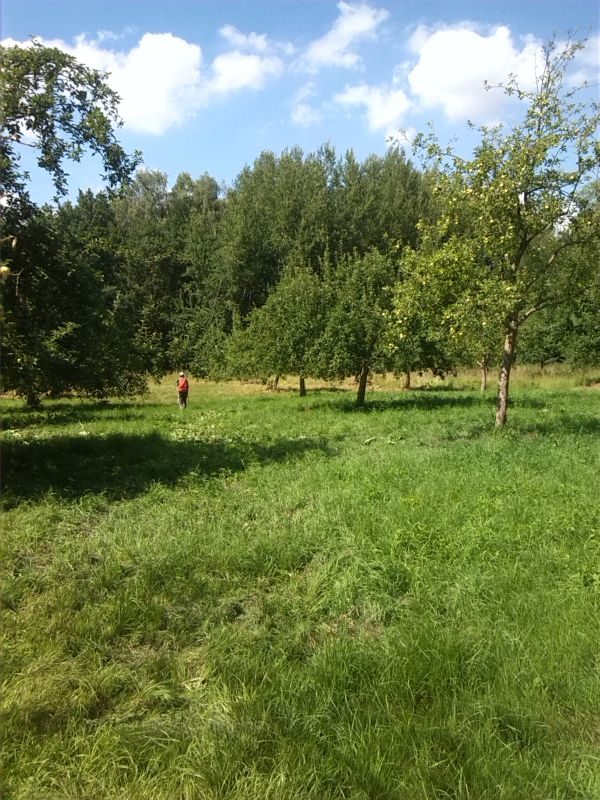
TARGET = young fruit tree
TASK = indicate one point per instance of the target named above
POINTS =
(499, 249)
(282, 335)
(354, 337)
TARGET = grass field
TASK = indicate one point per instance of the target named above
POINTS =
(267, 596)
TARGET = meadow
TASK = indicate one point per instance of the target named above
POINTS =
(267, 596)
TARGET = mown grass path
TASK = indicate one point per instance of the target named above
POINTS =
(273, 597)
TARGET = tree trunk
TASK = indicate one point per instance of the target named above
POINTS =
(302, 386)
(276, 382)
(510, 341)
(362, 385)
(407, 379)
(483, 367)
(33, 399)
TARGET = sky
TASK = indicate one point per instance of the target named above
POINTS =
(207, 85)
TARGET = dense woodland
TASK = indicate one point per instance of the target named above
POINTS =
(316, 265)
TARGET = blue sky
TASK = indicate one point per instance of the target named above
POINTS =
(206, 85)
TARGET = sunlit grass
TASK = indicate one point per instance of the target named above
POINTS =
(267, 596)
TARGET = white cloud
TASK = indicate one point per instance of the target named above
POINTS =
(160, 80)
(254, 42)
(384, 106)
(354, 23)
(303, 113)
(252, 61)
(112, 36)
(587, 63)
(453, 63)
(243, 41)
(237, 70)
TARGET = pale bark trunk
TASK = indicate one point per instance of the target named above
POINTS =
(483, 369)
(302, 386)
(508, 356)
(484, 377)
(407, 380)
(362, 385)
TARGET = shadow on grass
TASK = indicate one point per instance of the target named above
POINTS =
(565, 424)
(419, 399)
(72, 412)
(122, 466)
(426, 400)
(314, 390)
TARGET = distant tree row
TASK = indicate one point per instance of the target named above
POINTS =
(316, 265)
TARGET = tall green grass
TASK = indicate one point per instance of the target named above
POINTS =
(267, 596)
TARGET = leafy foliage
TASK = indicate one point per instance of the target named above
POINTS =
(498, 251)
(60, 108)
(62, 327)
(67, 325)
(354, 336)
(283, 336)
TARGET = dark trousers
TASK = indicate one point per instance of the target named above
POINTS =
(183, 399)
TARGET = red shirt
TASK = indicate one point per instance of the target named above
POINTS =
(183, 385)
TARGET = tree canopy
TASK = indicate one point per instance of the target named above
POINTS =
(319, 265)
(58, 322)
(58, 107)
(498, 251)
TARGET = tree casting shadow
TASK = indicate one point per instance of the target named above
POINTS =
(122, 466)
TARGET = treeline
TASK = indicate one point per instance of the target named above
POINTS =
(295, 269)
(314, 265)
(245, 281)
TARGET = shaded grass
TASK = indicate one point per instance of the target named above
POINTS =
(121, 466)
(275, 598)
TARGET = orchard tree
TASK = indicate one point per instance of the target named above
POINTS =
(67, 325)
(510, 214)
(282, 336)
(417, 344)
(59, 108)
(354, 338)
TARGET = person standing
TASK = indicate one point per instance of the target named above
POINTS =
(183, 388)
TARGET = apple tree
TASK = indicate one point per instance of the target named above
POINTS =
(498, 251)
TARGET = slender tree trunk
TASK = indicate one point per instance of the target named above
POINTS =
(483, 368)
(362, 384)
(510, 341)
(302, 386)
(407, 379)
(276, 382)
